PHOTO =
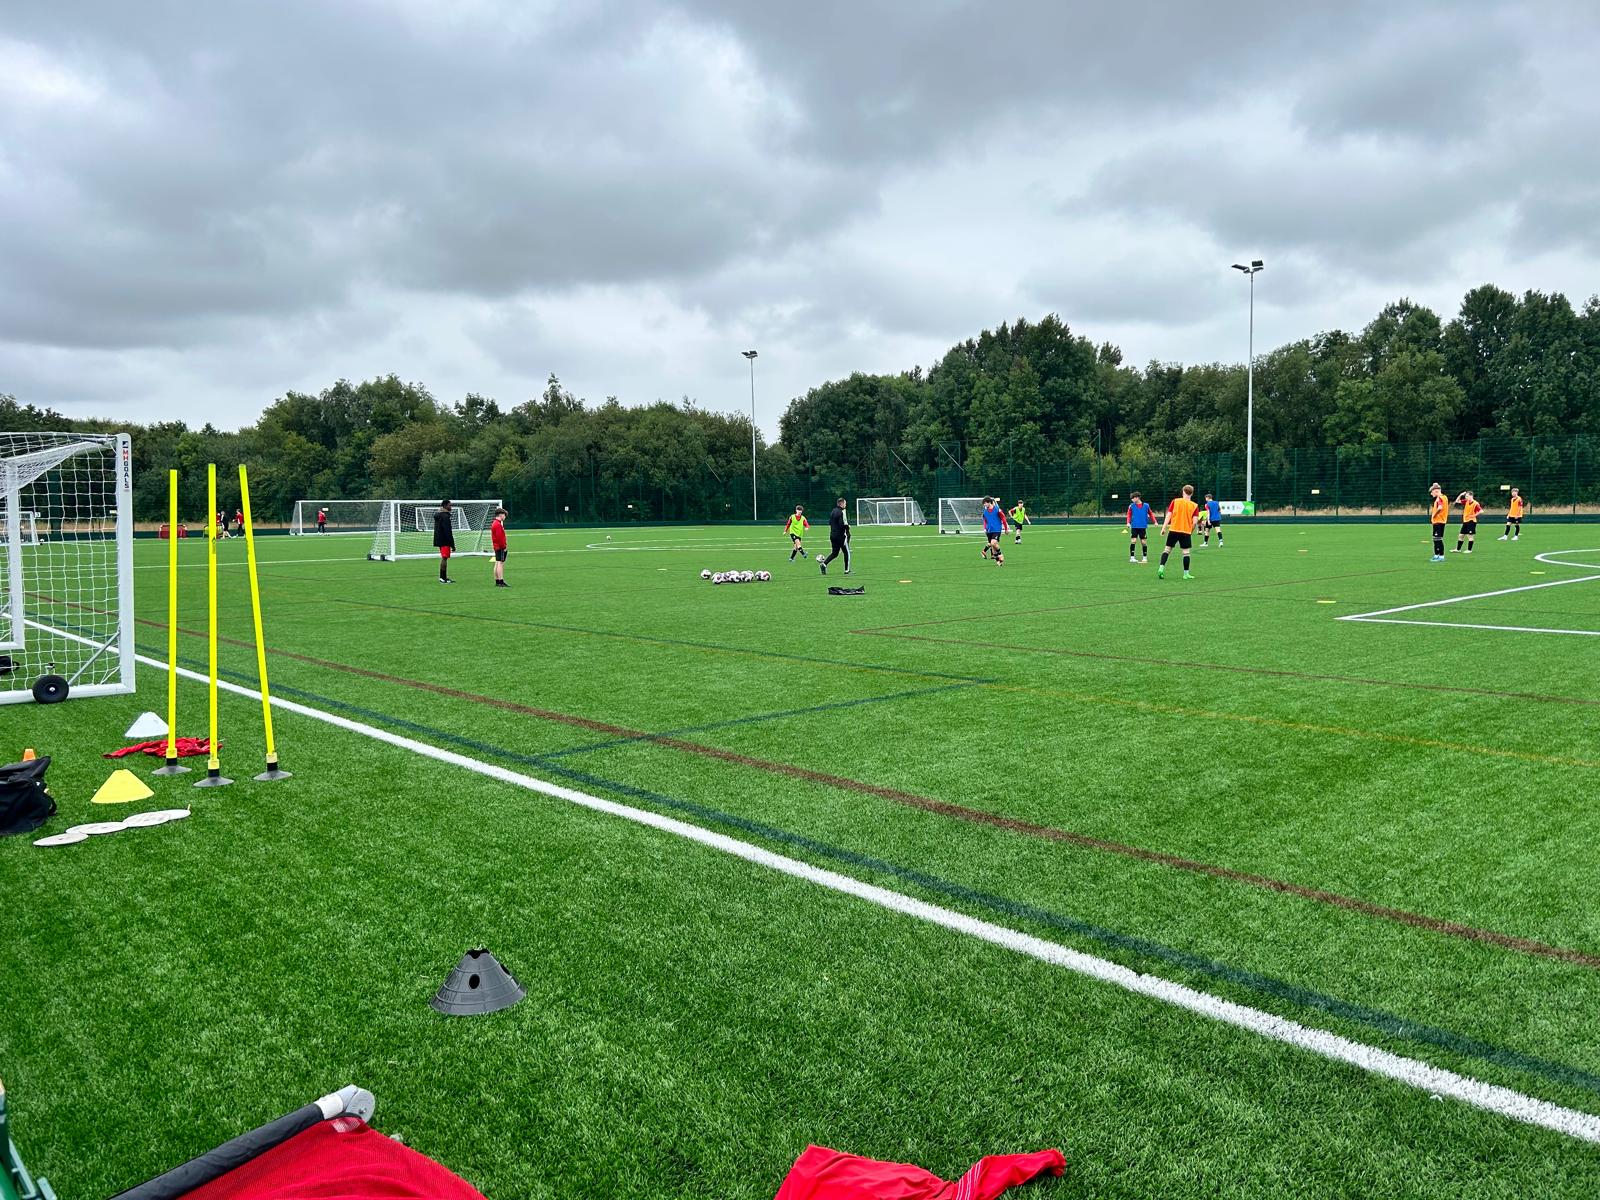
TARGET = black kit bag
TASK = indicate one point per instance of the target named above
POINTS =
(24, 804)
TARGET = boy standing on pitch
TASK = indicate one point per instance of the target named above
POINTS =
(1514, 516)
(497, 540)
(1178, 525)
(796, 529)
(444, 538)
(1470, 508)
(1438, 517)
(322, 520)
(1019, 518)
(1213, 522)
(1139, 516)
(839, 535)
(994, 525)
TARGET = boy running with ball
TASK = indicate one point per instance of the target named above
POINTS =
(1019, 518)
(994, 525)
(796, 529)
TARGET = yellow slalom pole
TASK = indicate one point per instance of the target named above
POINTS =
(273, 771)
(172, 767)
(214, 776)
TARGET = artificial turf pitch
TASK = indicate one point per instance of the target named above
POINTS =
(1386, 831)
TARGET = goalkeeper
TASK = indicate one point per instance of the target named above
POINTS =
(1019, 518)
(444, 539)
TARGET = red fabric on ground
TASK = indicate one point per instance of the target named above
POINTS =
(341, 1159)
(823, 1174)
(185, 747)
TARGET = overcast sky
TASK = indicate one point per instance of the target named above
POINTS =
(203, 205)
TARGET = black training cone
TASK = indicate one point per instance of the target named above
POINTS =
(477, 984)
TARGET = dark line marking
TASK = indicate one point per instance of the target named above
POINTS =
(975, 816)
(1205, 666)
(1292, 993)
(1169, 595)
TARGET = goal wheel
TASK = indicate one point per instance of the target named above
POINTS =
(50, 689)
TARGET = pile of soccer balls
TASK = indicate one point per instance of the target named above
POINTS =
(737, 576)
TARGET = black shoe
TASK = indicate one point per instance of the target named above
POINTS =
(501, 583)
(824, 567)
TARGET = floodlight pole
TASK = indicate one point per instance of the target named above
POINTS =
(1250, 385)
(751, 355)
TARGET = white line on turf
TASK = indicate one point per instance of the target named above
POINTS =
(1377, 616)
(1411, 1072)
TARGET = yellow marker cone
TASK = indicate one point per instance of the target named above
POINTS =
(28, 755)
(123, 787)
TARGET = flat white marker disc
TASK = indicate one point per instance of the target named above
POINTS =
(160, 817)
(98, 827)
(63, 839)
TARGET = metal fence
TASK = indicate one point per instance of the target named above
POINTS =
(1555, 475)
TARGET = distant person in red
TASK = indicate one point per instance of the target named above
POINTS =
(444, 539)
(222, 524)
(322, 520)
(238, 520)
(497, 539)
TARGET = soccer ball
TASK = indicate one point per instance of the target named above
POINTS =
(608, 537)
(717, 578)
(746, 577)
(763, 576)
(705, 574)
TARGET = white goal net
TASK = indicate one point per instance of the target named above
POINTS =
(405, 528)
(960, 514)
(336, 517)
(66, 565)
(889, 510)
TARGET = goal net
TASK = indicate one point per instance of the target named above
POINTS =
(66, 565)
(960, 514)
(405, 528)
(889, 510)
(340, 517)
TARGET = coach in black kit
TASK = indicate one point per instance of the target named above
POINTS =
(839, 535)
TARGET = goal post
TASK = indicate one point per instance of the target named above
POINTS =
(347, 517)
(889, 510)
(960, 514)
(405, 528)
(66, 566)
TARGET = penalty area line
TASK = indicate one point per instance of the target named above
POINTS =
(1437, 1081)
(1377, 616)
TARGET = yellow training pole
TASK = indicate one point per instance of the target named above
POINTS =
(172, 766)
(214, 776)
(272, 772)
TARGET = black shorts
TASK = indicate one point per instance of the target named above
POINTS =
(1468, 527)
(1180, 539)
(499, 556)
(1438, 529)
(795, 538)
(1138, 531)
(1517, 521)
(1215, 524)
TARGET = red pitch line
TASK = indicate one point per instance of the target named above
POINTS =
(971, 815)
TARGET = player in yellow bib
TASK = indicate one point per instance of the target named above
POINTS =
(1019, 518)
(796, 529)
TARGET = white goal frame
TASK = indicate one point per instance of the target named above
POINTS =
(66, 600)
(951, 519)
(403, 524)
(346, 518)
(888, 510)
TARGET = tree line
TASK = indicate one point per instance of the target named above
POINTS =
(1029, 393)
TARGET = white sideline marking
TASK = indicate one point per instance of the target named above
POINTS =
(1376, 617)
(1412, 1072)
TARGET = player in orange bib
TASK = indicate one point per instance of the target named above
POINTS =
(1470, 508)
(1439, 516)
(1514, 515)
(1178, 525)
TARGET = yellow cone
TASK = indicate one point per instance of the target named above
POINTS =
(28, 755)
(123, 787)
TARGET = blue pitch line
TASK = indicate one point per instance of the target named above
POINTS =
(663, 641)
(751, 720)
(1372, 1018)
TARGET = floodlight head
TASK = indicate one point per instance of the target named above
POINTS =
(748, 353)
(1241, 267)
(1255, 264)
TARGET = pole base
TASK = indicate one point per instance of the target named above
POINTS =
(173, 767)
(272, 774)
(214, 778)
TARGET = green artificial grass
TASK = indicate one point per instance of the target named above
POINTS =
(1153, 772)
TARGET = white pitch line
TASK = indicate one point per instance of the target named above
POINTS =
(1467, 625)
(1437, 1081)
(1527, 587)
(1377, 616)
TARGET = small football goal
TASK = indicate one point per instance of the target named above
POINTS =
(889, 510)
(405, 528)
(66, 566)
(960, 514)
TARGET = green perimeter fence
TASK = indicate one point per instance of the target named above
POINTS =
(1556, 475)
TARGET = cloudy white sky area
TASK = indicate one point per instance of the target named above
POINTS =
(203, 205)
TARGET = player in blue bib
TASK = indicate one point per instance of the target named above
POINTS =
(1139, 517)
(1213, 524)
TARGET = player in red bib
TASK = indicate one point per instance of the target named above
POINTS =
(497, 540)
